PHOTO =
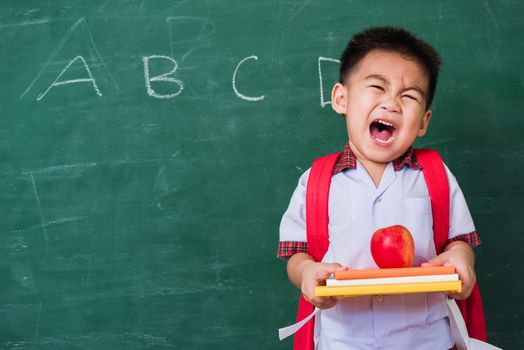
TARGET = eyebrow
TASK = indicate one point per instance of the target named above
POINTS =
(385, 81)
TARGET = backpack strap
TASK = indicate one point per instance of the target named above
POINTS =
(438, 188)
(317, 198)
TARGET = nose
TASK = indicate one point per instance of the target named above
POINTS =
(390, 104)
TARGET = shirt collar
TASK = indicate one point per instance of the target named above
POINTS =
(347, 160)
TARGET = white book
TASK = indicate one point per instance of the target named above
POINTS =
(392, 280)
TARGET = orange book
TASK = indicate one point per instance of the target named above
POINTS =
(399, 272)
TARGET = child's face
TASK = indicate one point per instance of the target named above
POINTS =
(384, 103)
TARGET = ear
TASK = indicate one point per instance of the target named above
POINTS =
(424, 123)
(339, 98)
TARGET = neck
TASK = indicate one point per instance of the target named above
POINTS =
(375, 170)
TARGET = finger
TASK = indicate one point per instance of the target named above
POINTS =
(309, 293)
(331, 268)
(432, 262)
(320, 302)
(324, 302)
(456, 295)
(322, 276)
(463, 294)
(436, 261)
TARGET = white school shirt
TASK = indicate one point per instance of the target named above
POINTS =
(357, 208)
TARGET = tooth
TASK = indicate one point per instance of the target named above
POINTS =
(385, 142)
(385, 123)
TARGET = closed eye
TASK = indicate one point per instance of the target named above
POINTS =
(377, 87)
(410, 97)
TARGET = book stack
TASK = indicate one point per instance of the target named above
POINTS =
(350, 283)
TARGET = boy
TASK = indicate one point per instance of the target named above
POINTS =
(387, 82)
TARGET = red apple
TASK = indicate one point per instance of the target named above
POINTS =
(392, 247)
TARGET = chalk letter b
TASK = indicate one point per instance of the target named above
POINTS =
(163, 77)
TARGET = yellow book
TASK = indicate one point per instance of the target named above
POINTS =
(384, 289)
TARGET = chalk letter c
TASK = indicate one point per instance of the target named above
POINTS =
(242, 96)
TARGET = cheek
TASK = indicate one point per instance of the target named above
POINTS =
(361, 111)
(414, 116)
(362, 99)
(356, 124)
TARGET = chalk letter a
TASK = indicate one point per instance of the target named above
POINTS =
(73, 81)
(162, 77)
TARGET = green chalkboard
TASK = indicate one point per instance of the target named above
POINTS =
(149, 148)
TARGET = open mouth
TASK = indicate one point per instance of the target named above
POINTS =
(382, 131)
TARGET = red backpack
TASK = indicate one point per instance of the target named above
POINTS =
(318, 237)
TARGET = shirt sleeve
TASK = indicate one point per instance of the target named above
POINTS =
(461, 227)
(293, 238)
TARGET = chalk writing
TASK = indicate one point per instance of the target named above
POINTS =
(41, 212)
(242, 96)
(162, 77)
(169, 78)
(73, 81)
(323, 102)
(61, 45)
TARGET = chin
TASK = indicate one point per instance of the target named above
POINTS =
(383, 155)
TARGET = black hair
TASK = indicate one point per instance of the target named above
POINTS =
(396, 40)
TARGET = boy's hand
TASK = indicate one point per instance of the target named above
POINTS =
(315, 274)
(306, 274)
(460, 255)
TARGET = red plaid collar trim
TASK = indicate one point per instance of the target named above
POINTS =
(347, 160)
